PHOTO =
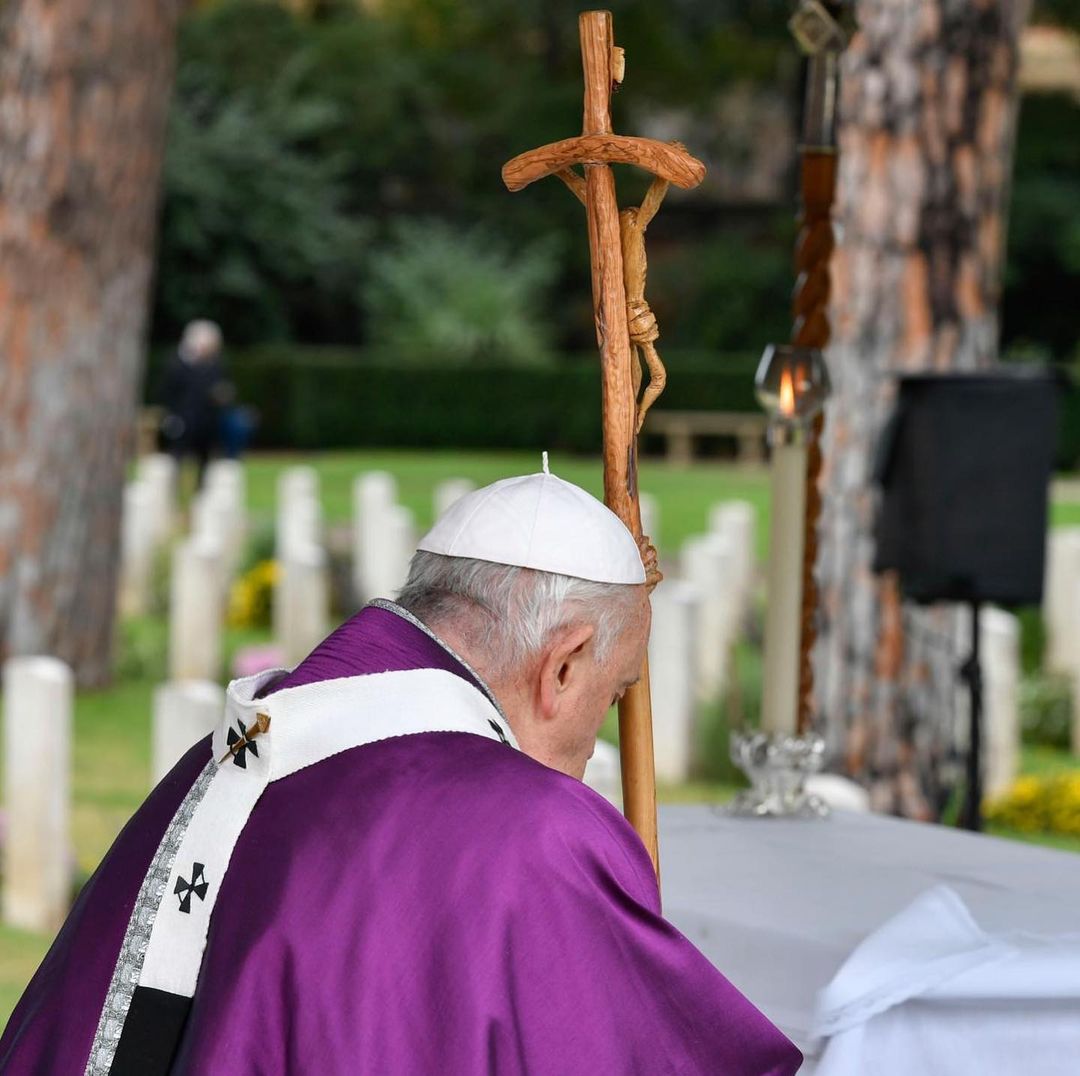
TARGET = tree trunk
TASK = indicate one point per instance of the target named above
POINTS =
(84, 90)
(928, 105)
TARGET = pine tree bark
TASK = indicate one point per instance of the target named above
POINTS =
(84, 90)
(928, 107)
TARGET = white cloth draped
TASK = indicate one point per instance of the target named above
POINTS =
(931, 992)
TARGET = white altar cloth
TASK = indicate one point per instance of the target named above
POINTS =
(780, 906)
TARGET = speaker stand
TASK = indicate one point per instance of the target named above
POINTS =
(971, 671)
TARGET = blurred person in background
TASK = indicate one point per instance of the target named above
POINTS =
(193, 391)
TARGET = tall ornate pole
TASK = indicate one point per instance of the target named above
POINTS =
(792, 383)
(596, 149)
(819, 34)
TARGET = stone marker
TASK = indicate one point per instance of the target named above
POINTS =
(450, 492)
(296, 485)
(226, 484)
(302, 524)
(999, 643)
(38, 694)
(184, 712)
(211, 526)
(158, 471)
(1060, 613)
(1076, 687)
(673, 675)
(391, 549)
(603, 773)
(138, 546)
(737, 522)
(650, 517)
(374, 495)
(709, 564)
(302, 602)
(196, 612)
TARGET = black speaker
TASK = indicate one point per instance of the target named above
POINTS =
(964, 465)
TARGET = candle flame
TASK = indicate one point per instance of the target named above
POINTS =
(787, 394)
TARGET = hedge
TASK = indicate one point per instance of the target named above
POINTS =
(310, 399)
(321, 397)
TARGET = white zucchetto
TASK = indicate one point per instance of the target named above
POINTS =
(539, 521)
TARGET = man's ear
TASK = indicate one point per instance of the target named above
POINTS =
(566, 659)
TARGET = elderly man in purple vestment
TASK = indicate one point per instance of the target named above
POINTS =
(385, 862)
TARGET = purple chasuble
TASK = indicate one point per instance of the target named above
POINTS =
(428, 903)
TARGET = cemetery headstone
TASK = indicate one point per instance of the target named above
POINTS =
(38, 694)
(374, 495)
(1000, 662)
(650, 517)
(302, 602)
(158, 471)
(736, 521)
(450, 492)
(673, 674)
(138, 546)
(603, 773)
(196, 612)
(184, 712)
(709, 564)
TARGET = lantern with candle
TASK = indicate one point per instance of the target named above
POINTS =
(792, 384)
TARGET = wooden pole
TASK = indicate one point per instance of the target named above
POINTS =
(595, 150)
(619, 404)
(813, 251)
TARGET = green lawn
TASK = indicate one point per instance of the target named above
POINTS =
(112, 728)
(684, 494)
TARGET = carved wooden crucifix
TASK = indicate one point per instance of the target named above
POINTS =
(623, 320)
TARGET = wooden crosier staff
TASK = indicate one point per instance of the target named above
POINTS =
(596, 149)
(818, 33)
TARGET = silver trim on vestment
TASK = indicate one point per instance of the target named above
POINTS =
(401, 611)
(129, 963)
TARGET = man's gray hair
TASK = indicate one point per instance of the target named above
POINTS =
(509, 612)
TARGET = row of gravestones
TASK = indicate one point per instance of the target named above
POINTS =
(698, 615)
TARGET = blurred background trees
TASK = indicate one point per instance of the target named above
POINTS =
(373, 112)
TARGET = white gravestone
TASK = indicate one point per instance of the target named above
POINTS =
(650, 517)
(302, 533)
(296, 485)
(138, 546)
(1076, 684)
(211, 527)
(302, 602)
(158, 471)
(709, 564)
(226, 484)
(38, 694)
(673, 676)
(374, 495)
(392, 547)
(196, 612)
(1060, 613)
(737, 522)
(451, 491)
(184, 712)
(999, 650)
(603, 773)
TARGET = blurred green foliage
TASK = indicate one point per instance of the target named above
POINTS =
(314, 398)
(1042, 277)
(1046, 707)
(298, 142)
(446, 295)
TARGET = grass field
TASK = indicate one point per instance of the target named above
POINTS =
(684, 494)
(112, 727)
